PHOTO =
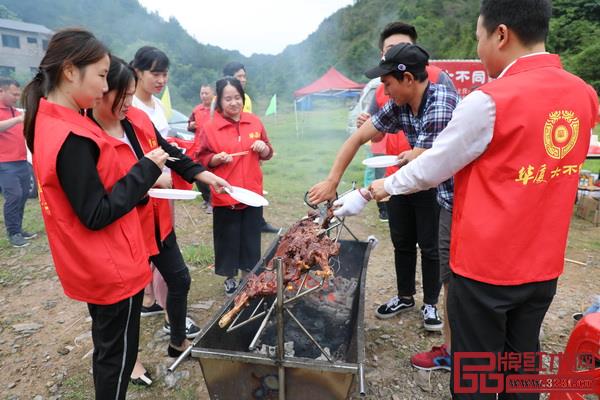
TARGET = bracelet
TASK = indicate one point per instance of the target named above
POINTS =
(366, 194)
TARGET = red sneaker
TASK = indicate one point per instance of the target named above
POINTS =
(436, 358)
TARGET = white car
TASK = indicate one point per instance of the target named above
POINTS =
(178, 126)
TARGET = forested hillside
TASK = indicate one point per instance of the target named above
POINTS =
(347, 39)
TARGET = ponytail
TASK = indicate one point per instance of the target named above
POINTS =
(75, 46)
(32, 93)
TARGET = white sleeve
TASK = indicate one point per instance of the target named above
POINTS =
(466, 136)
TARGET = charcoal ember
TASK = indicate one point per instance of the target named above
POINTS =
(271, 351)
(322, 312)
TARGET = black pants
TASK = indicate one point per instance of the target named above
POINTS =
(236, 235)
(496, 319)
(413, 219)
(205, 190)
(115, 333)
(175, 272)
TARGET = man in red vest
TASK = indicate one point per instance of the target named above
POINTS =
(515, 147)
(201, 115)
(15, 173)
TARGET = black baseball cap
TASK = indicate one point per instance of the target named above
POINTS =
(402, 57)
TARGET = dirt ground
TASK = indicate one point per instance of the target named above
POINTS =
(45, 342)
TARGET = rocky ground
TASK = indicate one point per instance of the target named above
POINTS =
(45, 340)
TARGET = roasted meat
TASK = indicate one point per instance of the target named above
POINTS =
(304, 246)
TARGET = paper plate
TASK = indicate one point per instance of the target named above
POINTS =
(381, 161)
(247, 197)
(174, 194)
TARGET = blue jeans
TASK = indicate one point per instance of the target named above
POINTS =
(14, 182)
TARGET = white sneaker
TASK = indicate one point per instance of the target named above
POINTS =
(431, 318)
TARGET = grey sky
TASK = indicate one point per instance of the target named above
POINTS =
(252, 26)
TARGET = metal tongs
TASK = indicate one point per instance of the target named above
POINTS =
(325, 212)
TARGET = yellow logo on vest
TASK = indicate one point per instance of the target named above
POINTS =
(560, 133)
(254, 135)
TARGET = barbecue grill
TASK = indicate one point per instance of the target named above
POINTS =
(308, 344)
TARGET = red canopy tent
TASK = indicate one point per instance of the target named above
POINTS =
(331, 84)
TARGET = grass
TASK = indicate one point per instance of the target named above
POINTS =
(304, 157)
(76, 387)
(200, 255)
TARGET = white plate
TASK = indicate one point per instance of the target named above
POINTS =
(381, 161)
(247, 197)
(174, 194)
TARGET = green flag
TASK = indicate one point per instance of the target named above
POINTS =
(272, 109)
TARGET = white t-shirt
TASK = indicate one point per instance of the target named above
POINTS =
(125, 140)
(157, 114)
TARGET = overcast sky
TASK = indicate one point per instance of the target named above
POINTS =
(249, 26)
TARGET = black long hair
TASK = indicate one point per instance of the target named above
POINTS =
(75, 46)
(120, 75)
(221, 84)
(151, 59)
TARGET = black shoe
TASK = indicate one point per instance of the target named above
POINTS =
(173, 352)
(191, 329)
(394, 306)
(143, 380)
(28, 235)
(154, 309)
(230, 286)
(17, 240)
(268, 228)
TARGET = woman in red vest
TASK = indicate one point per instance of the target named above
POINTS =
(236, 229)
(88, 201)
(132, 134)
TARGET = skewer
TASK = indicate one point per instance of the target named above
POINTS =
(280, 334)
(575, 262)
(172, 159)
(241, 153)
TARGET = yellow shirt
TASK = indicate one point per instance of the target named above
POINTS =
(247, 103)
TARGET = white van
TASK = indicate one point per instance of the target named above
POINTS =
(364, 102)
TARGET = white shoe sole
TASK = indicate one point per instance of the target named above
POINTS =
(388, 316)
(187, 335)
(433, 328)
(444, 368)
(149, 314)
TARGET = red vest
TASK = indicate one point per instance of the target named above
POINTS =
(188, 146)
(12, 141)
(156, 211)
(201, 116)
(513, 204)
(244, 171)
(103, 266)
